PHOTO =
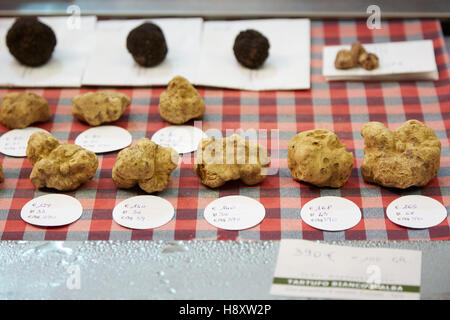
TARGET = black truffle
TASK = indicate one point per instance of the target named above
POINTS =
(30, 41)
(251, 48)
(147, 44)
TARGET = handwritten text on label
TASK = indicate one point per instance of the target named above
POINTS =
(331, 213)
(52, 210)
(416, 211)
(234, 213)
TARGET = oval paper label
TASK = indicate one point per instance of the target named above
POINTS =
(14, 142)
(184, 139)
(416, 212)
(104, 139)
(52, 210)
(331, 213)
(234, 213)
(143, 212)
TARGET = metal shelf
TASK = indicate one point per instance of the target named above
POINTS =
(218, 9)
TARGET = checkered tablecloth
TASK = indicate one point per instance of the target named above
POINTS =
(343, 107)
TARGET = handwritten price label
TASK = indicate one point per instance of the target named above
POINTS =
(14, 142)
(52, 210)
(415, 211)
(104, 139)
(143, 212)
(184, 139)
(331, 213)
(234, 213)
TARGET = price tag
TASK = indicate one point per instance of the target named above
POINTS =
(143, 212)
(416, 211)
(104, 139)
(184, 139)
(234, 213)
(315, 270)
(331, 213)
(52, 210)
(14, 142)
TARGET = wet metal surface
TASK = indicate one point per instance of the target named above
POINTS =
(171, 270)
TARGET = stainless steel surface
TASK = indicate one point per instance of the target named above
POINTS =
(233, 8)
(171, 270)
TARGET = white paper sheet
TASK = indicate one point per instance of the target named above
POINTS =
(64, 69)
(112, 64)
(286, 68)
(403, 60)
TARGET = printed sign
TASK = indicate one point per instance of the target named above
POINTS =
(310, 269)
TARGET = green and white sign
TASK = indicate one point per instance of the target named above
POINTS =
(310, 269)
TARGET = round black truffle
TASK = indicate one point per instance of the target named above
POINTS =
(30, 41)
(251, 48)
(147, 44)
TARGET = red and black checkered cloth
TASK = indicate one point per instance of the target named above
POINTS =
(343, 107)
